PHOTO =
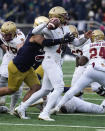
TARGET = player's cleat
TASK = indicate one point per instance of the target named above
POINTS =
(4, 109)
(101, 91)
(40, 101)
(19, 112)
(55, 110)
(44, 117)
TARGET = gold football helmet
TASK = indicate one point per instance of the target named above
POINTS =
(39, 20)
(58, 12)
(8, 30)
(73, 30)
(97, 35)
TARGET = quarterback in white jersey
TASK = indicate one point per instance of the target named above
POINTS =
(13, 39)
(95, 70)
(53, 75)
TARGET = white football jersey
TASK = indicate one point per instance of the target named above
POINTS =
(76, 50)
(11, 51)
(85, 48)
(80, 50)
(12, 45)
(97, 51)
(54, 51)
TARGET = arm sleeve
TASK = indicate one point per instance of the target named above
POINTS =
(51, 42)
(38, 29)
(82, 39)
(78, 42)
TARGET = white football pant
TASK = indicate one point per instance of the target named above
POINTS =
(89, 76)
(53, 79)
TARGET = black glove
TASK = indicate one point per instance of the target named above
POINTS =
(68, 38)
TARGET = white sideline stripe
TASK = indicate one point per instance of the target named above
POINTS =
(90, 93)
(93, 99)
(71, 114)
(67, 75)
(44, 125)
(67, 80)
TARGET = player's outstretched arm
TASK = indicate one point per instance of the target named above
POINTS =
(38, 29)
(39, 39)
(65, 40)
(78, 42)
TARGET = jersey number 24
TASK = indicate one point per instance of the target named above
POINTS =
(93, 52)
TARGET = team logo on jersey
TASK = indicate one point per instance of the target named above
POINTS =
(39, 58)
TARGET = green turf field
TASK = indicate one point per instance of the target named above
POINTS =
(68, 69)
(64, 122)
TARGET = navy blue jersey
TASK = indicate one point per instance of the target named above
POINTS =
(26, 55)
(38, 60)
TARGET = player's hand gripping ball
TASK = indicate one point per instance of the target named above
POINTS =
(53, 23)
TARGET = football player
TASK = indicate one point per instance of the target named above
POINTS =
(77, 105)
(12, 39)
(95, 70)
(80, 67)
(53, 76)
(39, 58)
(20, 68)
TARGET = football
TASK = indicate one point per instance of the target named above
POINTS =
(53, 23)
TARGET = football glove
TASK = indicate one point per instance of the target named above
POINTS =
(68, 38)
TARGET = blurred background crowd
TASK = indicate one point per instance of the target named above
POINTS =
(24, 11)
